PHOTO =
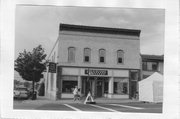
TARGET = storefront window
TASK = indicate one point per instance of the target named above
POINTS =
(120, 86)
(69, 83)
(68, 86)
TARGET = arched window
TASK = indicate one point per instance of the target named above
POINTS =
(102, 55)
(87, 54)
(120, 56)
(71, 54)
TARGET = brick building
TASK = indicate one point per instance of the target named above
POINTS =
(105, 60)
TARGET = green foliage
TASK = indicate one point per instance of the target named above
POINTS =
(27, 84)
(30, 65)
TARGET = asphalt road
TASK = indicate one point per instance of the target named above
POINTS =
(132, 107)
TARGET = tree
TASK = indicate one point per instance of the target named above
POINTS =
(30, 65)
(27, 84)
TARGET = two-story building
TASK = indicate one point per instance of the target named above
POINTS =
(151, 64)
(105, 61)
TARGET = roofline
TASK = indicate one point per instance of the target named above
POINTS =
(152, 57)
(95, 29)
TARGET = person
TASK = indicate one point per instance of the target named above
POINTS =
(75, 93)
(136, 95)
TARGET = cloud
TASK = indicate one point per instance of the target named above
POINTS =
(39, 24)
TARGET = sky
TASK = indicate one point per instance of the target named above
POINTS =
(36, 25)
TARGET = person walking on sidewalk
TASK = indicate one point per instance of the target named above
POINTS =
(76, 95)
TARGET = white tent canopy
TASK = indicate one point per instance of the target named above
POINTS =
(151, 88)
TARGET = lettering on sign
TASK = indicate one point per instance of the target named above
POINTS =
(52, 67)
(96, 72)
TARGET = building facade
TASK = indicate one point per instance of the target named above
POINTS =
(151, 64)
(104, 61)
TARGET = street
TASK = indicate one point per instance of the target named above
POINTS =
(132, 107)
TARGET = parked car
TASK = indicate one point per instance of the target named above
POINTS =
(21, 93)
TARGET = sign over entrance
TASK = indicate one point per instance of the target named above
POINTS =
(52, 67)
(96, 72)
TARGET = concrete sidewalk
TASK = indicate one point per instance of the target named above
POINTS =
(43, 100)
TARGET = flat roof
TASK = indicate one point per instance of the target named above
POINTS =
(95, 29)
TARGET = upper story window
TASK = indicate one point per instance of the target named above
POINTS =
(102, 55)
(120, 56)
(87, 54)
(150, 66)
(71, 54)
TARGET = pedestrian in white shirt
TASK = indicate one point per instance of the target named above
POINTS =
(76, 95)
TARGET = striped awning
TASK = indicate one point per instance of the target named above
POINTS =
(96, 72)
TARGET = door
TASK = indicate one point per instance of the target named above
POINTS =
(133, 89)
(99, 88)
(87, 85)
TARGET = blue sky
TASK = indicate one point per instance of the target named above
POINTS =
(39, 24)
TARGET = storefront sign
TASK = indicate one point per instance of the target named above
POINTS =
(52, 67)
(96, 72)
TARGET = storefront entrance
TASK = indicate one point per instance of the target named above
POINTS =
(133, 88)
(96, 85)
(99, 88)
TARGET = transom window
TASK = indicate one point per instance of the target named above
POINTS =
(71, 54)
(87, 54)
(120, 56)
(102, 54)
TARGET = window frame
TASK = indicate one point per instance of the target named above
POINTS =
(71, 83)
(116, 87)
(145, 68)
(74, 55)
(121, 51)
(102, 49)
(70, 79)
(88, 56)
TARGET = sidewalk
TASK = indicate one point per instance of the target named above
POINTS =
(43, 100)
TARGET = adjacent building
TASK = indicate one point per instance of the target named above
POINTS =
(105, 61)
(151, 64)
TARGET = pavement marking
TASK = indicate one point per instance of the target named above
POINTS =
(74, 108)
(126, 106)
(104, 108)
